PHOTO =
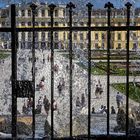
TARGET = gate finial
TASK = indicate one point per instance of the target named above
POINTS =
(70, 5)
(128, 5)
(89, 5)
(109, 5)
(52, 7)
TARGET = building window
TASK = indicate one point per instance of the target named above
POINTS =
(96, 36)
(63, 12)
(43, 13)
(49, 36)
(119, 23)
(75, 36)
(75, 24)
(49, 23)
(42, 23)
(22, 23)
(96, 46)
(56, 23)
(29, 36)
(56, 13)
(36, 23)
(134, 36)
(96, 24)
(81, 36)
(3, 23)
(103, 36)
(103, 45)
(22, 13)
(43, 36)
(56, 36)
(36, 36)
(87, 36)
(49, 13)
(134, 46)
(64, 35)
(119, 36)
(119, 46)
(29, 13)
(29, 23)
(81, 24)
(23, 36)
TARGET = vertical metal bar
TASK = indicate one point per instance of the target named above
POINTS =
(14, 71)
(52, 7)
(108, 6)
(89, 5)
(33, 7)
(128, 5)
(70, 6)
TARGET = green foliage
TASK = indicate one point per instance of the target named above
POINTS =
(134, 90)
(3, 55)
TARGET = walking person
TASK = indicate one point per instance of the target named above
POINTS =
(59, 87)
(100, 91)
(46, 105)
(48, 58)
(118, 99)
(54, 105)
(39, 105)
(78, 103)
(82, 100)
(113, 110)
(97, 91)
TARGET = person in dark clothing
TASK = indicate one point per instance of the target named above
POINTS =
(78, 103)
(24, 109)
(93, 110)
(46, 105)
(82, 100)
(113, 110)
(59, 87)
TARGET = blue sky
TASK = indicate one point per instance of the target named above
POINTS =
(96, 3)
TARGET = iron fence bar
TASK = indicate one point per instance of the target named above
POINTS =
(52, 7)
(128, 6)
(33, 8)
(70, 6)
(14, 71)
(6, 29)
(111, 28)
(108, 6)
(89, 5)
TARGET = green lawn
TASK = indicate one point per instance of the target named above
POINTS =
(134, 90)
(100, 68)
(3, 55)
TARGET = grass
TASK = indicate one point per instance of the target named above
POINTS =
(100, 68)
(3, 55)
(134, 90)
(132, 57)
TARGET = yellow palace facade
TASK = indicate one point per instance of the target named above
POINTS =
(61, 39)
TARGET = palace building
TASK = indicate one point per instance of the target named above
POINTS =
(61, 38)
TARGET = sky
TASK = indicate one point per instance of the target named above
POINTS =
(96, 3)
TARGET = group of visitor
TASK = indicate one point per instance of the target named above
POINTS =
(82, 102)
(27, 107)
(47, 105)
(98, 91)
(103, 110)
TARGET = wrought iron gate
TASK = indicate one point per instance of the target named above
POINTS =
(27, 88)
